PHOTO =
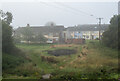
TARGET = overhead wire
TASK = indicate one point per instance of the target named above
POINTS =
(74, 9)
(68, 8)
(57, 7)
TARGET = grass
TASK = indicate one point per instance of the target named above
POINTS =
(9, 62)
(100, 61)
(0, 78)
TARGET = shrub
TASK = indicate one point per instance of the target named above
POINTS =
(49, 59)
(110, 37)
(10, 62)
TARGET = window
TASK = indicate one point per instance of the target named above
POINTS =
(76, 36)
(87, 36)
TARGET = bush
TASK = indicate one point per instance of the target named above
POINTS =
(28, 70)
(10, 61)
(49, 59)
(110, 37)
(97, 39)
(7, 41)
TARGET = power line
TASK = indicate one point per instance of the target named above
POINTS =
(71, 9)
(74, 9)
(57, 7)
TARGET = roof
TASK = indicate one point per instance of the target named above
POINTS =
(88, 27)
(42, 29)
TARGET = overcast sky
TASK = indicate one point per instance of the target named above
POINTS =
(65, 13)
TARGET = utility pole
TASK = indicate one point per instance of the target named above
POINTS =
(100, 19)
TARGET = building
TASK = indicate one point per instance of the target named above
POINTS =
(58, 34)
(88, 31)
(51, 32)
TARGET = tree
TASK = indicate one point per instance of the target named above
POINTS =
(110, 37)
(17, 39)
(27, 34)
(40, 38)
(50, 24)
(7, 41)
(11, 55)
(6, 17)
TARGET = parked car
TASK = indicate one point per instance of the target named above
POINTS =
(50, 41)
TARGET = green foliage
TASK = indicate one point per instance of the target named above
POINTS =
(101, 73)
(100, 63)
(7, 41)
(40, 38)
(110, 37)
(17, 39)
(27, 34)
(11, 56)
(6, 17)
(10, 62)
(25, 70)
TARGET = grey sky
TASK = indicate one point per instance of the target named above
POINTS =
(66, 13)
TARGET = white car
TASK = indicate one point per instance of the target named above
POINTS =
(50, 41)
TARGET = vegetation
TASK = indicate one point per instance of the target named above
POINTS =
(98, 62)
(7, 38)
(7, 41)
(11, 55)
(40, 38)
(6, 17)
(27, 34)
(110, 37)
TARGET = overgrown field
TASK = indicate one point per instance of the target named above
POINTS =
(89, 61)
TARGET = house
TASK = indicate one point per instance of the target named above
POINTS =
(51, 32)
(58, 34)
(87, 31)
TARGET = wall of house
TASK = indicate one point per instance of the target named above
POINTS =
(82, 34)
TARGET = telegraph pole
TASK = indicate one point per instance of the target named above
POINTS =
(100, 19)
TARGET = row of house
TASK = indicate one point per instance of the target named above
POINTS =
(58, 33)
(89, 31)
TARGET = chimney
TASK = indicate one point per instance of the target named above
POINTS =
(28, 25)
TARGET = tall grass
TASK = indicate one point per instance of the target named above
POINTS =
(98, 58)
